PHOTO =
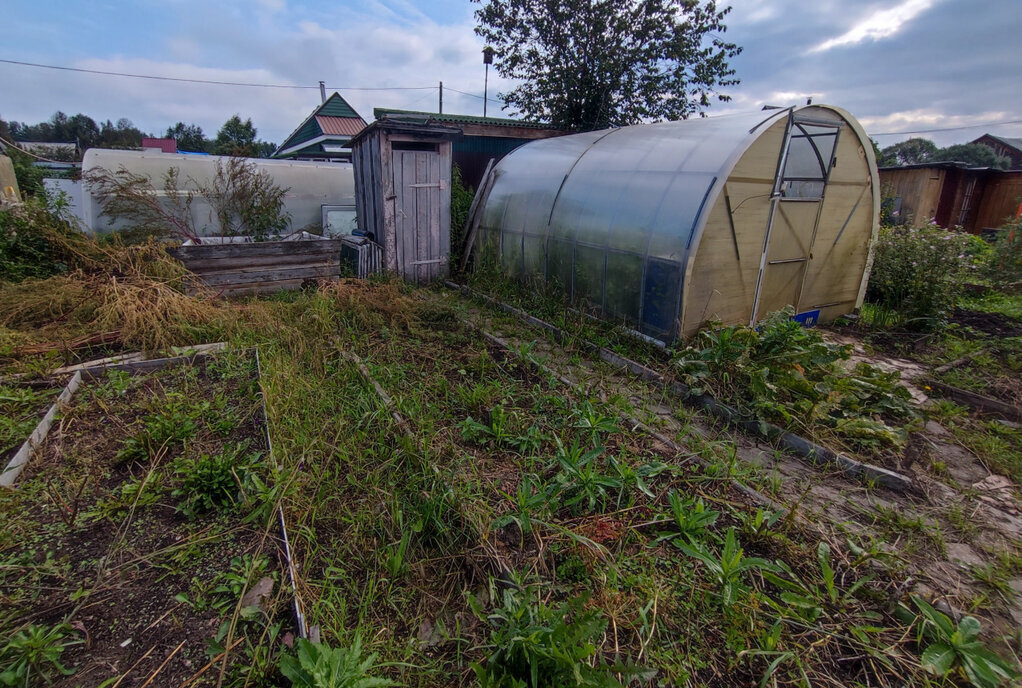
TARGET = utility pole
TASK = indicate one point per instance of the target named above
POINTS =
(322, 92)
(441, 97)
(487, 60)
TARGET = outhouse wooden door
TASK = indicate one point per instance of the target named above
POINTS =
(422, 221)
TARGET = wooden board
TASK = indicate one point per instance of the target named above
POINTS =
(261, 267)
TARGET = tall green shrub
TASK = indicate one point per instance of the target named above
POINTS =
(919, 273)
(461, 201)
(35, 241)
(1005, 263)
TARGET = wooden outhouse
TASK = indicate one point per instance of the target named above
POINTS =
(403, 194)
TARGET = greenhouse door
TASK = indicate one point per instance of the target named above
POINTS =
(421, 252)
(796, 203)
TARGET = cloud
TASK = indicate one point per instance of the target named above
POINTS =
(880, 24)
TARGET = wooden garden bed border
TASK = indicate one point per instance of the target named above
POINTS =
(811, 451)
(202, 352)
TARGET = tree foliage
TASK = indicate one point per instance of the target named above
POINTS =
(590, 64)
(79, 128)
(189, 137)
(974, 154)
(910, 152)
(919, 150)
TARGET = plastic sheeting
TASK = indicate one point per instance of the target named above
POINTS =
(611, 215)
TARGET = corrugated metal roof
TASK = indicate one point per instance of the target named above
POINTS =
(380, 113)
(340, 126)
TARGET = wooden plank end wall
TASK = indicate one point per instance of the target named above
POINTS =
(261, 267)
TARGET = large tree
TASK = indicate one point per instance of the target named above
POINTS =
(189, 137)
(589, 64)
(909, 152)
(236, 138)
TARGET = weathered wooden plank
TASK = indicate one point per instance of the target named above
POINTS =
(267, 248)
(207, 265)
(309, 262)
(269, 276)
(979, 402)
(406, 227)
(387, 182)
(423, 211)
(436, 210)
(446, 149)
(265, 287)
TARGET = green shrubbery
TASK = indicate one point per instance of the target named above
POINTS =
(35, 241)
(785, 373)
(919, 273)
(1005, 262)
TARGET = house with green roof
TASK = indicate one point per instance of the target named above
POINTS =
(482, 138)
(324, 135)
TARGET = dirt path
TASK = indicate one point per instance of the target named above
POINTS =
(960, 546)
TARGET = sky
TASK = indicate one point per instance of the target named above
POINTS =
(897, 65)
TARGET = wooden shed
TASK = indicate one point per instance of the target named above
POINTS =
(666, 226)
(403, 194)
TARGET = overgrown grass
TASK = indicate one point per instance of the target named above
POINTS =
(518, 529)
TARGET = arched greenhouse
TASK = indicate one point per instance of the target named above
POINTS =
(666, 226)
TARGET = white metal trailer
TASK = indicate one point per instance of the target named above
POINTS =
(320, 196)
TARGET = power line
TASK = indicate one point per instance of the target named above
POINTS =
(931, 131)
(473, 95)
(215, 83)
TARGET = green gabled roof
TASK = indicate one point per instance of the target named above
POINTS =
(334, 106)
(309, 130)
(380, 113)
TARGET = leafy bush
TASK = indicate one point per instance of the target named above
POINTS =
(170, 428)
(461, 201)
(535, 644)
(33, 655)
(1004, 265)
(316, 665)
(919, 272)
(244, 200)
(35, 241)
(958, 649)
(212, 482)
(787, 374)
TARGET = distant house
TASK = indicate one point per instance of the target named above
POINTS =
(978, 199)
(482, 137)
(324, 135)
(1009, 148)
(162, 145)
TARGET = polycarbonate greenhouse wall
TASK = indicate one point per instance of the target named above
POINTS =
(614, 216)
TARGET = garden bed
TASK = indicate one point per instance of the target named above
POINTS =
(521, 506)
(22, 405)
(140, 551)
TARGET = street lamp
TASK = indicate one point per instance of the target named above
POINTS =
(487, 60)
